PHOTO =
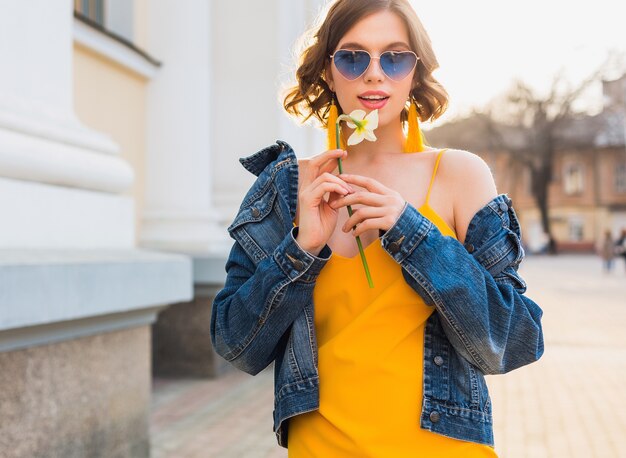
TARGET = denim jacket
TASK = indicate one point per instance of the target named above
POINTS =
(482, 323)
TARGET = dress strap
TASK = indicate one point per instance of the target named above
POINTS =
(432, 179)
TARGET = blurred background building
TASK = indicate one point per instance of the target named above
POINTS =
(586, 183)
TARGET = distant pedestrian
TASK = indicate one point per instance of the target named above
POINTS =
(607, 251)
(620, 246)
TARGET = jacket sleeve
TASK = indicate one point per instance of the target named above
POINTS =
(475, 288)
(259, 303)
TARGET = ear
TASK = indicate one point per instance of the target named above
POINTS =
(328, 77)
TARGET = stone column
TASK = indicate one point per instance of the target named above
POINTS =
(179, 213)
(59, 180)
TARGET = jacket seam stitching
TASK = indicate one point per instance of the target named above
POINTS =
(436, 299)
(262, 319)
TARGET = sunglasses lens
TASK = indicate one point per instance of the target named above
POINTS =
(397, 65)
(352, 64)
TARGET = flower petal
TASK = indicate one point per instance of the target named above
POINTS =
(358, 114)
(355, 138)
(369, 135)
(372, 120)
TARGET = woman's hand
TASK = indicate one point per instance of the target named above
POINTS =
(382, 205)
(316, 218)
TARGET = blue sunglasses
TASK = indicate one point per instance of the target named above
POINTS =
(397, 65)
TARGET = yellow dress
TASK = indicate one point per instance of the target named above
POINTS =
(370, 347)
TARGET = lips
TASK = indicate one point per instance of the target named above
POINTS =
(373, 104)
(373, 99)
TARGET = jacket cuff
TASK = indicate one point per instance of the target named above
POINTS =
(406, 233)
(299, 264)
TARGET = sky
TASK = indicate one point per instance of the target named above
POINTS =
(482, 45)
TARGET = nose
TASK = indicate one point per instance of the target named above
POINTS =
(374, 72)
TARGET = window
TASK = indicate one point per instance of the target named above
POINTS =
(114, 16)
(575, 229)
(620, 178)
(573, 178)
(92, 9)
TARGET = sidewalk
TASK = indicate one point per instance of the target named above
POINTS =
(569, 404)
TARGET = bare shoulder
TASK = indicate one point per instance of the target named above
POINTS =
(464, 163)
(471, 182)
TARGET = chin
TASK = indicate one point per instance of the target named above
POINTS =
(385, 119)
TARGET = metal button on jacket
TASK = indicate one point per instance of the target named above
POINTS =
(255, 212)
(470, 248)
(298, 265)
(504, 207)
(394, 247)
(434, 416)
(438, 360)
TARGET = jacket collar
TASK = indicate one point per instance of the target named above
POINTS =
(257, 162)
(275, 158)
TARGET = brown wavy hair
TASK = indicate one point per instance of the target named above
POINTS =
(311, 96)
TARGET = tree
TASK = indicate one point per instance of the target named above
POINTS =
(530, 128)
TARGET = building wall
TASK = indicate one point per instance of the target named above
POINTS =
(598, 205)
(247, 113)
(80, 397)
(140, 23)
(110, 98)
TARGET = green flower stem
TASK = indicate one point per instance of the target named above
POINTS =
(358, 238)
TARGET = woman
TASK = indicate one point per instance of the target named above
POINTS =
(395, 370)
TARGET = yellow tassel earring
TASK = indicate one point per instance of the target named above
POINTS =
(415, 138)
(331, 122)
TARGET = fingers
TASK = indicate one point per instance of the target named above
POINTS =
(330, 166)
(329, 177)
(333, 196)
(360, 197)
(366, 182)
(327, 182)
(362, 221)
(320, 164)
(362, 214)
(318, 191)
(321, 159)
(331, 163)
(372, 223)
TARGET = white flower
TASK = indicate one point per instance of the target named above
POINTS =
(363, 125)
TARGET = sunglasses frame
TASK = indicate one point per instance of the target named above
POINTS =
(332, 58)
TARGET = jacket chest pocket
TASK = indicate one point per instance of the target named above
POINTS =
(258, 223)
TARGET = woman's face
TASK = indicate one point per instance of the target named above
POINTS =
(376, 33)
